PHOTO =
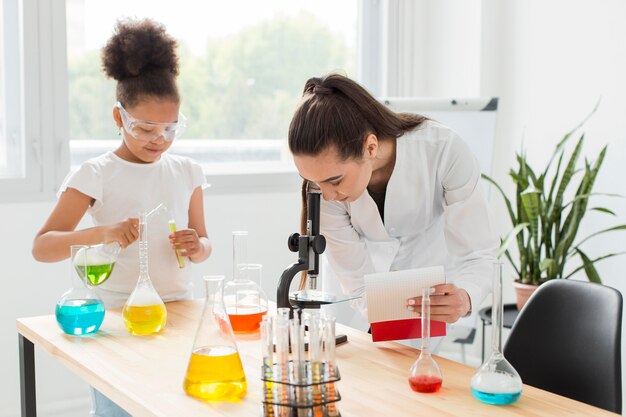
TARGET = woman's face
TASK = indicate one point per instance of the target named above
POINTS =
(338, 180)
(150, 110)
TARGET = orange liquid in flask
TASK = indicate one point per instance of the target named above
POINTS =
(143, 320)
(246, 319)
(215, 373)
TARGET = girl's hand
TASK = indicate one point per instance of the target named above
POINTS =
(124, 232)
(448, 303)
(186, 242)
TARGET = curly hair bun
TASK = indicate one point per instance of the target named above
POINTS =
(139, 47)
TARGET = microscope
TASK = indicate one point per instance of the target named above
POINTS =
(309, 248)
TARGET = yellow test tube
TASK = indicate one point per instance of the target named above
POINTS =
(181, 261)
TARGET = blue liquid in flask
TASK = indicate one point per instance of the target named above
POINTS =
(496, 398)
(78, 317)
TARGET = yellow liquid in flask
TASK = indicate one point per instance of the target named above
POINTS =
(143, 320)
(215, 373)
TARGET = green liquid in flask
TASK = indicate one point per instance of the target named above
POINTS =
(96, 274)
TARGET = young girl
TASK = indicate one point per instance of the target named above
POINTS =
(400, 192)
(137, 176)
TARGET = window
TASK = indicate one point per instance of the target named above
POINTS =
(243, 67)
(11, 138)
(33, 160)
(242, 70)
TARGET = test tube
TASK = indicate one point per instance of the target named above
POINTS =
(282, 390)
(330, 373)
(283, 313)
(296, 333)
(315, 352)
(181, 261)
(267, 346)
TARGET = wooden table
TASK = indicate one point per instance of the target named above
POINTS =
(144, 374)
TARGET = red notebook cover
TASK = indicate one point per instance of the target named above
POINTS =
(405, 329)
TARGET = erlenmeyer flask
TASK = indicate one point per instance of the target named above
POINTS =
(99, 261)
(245, 301)
(496, 381)
(144, 312)
(425, 375)
(215, 371)
(79, 311)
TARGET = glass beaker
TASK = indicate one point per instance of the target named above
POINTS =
(245, 301)
(496, 381)
(99, 261)
(79, 311)
(144, 312)
(215, 371)
(425, 375)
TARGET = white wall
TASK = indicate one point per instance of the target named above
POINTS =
(549, 80)
(32, 288)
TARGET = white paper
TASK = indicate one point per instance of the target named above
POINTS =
(387, 292)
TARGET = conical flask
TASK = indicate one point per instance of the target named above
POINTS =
(496, 381)
(99, 261)
(144, 312)
(215, 371)
(425, 375)
(79, 311)
(245, 301)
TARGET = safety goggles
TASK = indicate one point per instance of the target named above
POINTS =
(149, 131)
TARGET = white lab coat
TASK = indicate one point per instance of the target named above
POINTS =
(435, 214)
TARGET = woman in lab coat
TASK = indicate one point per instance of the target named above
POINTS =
(399, 191)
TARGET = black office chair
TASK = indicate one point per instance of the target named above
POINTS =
(567, 340)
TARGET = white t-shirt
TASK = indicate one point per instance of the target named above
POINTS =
(123, 189)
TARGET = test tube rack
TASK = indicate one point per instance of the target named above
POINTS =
(301, 399)
(299, 382)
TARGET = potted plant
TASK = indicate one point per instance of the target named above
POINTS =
(546, 217)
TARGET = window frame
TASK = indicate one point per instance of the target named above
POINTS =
(44, 105)
(40, 106)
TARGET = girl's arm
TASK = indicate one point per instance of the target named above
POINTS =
(193, 242)
(52, 242)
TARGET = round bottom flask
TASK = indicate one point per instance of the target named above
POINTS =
(425, 375)
(144, 312)
(79, 311)
(495, 384)
(496, 381)
(99, 261)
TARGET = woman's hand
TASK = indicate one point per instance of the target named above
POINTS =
(186, 242)
(448, 303)
(124, 232)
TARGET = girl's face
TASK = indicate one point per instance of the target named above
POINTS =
(150, 110)
(338, 180)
